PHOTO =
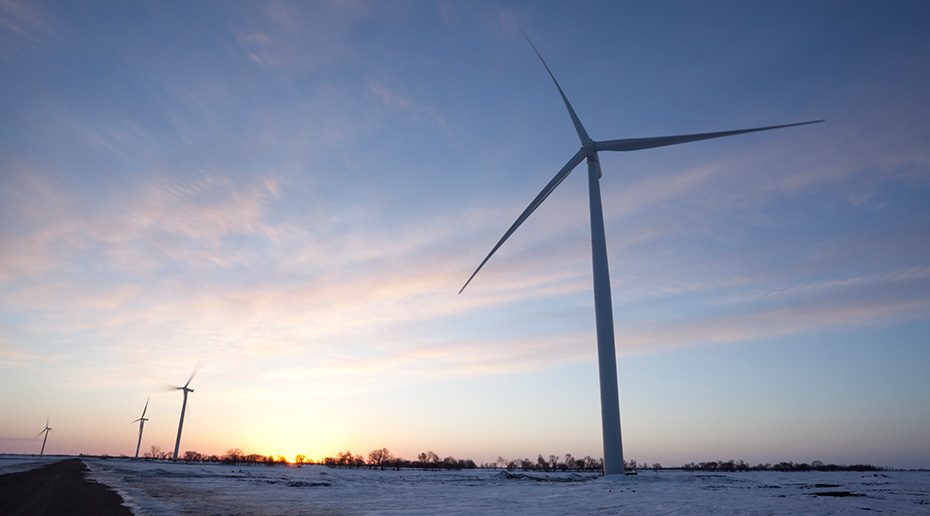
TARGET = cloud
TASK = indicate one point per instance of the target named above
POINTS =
(792, 306)
(23, 25)
(300, 37)
(12, 357)
(397, 101)
(171, 265)
(187, 222)
(498, 21)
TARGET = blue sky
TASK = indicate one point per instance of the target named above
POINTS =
(292, 194)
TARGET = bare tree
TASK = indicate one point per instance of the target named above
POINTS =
(233, 456)
(428, 459)
(154, 453)
(570, 462)
(192, 456)
(541, 463)
(346, 459)
(377, 458)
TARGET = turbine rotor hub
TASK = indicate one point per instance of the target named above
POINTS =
(590, 153)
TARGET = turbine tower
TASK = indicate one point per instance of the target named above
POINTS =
(186, 390)
(141, 421)
(603, 310)
(45, 431)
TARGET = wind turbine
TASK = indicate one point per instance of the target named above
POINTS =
(186, 390)
(45, 430)
(603, 310)
(142, 421)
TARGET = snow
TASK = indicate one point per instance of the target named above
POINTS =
(17, 463)
(158, 489)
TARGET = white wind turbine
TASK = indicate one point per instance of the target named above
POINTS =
(141, 421)
(45, 430)
(603, 310)
(186, 390)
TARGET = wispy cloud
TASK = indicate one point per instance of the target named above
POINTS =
(185, 221)
(398, 101)
(301, 37)
(23, 25)
(377, 297)
(14, 357)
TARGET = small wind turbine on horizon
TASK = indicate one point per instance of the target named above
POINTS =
(603, 309)
(45, 430)
(186, 390)
(142, 421)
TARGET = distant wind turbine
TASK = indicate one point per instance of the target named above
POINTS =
(45, 431)
(142, 421)
(606, 354)
(186, 389)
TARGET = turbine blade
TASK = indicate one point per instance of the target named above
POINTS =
(146, 407)
(193, 374)
(631, 144)
(567, 169)
(582, 134)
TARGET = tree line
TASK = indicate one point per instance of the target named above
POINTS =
(234, 456)
(383, 459)
(429, 460)
(731, 466)
(549, 464)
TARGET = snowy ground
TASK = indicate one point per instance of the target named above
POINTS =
(17, 463)
(168, 489)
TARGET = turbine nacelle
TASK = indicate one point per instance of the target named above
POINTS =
(191, 378)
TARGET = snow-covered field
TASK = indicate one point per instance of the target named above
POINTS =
(168, 489)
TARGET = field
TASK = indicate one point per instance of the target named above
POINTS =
(167, 489)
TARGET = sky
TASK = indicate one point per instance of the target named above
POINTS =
(287, 197)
